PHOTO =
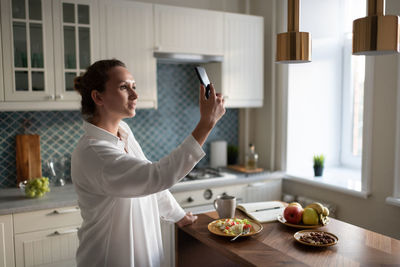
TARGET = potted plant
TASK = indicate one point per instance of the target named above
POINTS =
(232, 154)
(318, 164)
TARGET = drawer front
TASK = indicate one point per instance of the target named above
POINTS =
(45, 219)
(53, 247)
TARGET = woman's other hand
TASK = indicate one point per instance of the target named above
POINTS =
(189, 218)
(211, 111)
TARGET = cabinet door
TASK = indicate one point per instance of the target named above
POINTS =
(243, 66)
(6, 241)
(129, 37)
(168, 239)
(1, 68)
(76, 43)
(264, 191)
(187, 30)
(53, 247)
(28, 49)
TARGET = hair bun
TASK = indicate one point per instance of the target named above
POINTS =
(77, 84)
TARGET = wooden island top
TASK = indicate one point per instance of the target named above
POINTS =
(275, 246)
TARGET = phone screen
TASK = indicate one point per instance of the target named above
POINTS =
(203, 77)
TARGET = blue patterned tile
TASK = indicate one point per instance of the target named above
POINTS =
(158, 131)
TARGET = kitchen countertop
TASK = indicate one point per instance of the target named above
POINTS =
(12, 200)
(275, 246)
(231, 178)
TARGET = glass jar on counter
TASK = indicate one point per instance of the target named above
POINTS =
(251, 159)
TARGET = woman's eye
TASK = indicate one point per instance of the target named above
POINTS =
(124, 87)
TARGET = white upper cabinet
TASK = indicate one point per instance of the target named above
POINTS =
(243, 65)
(1, 71)
(27, 49)
(187, 30)
(128, 35)
(76, 43)
(46, 44)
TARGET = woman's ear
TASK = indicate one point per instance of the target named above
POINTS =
(97, 97)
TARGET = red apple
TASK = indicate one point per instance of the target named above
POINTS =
(293, 214)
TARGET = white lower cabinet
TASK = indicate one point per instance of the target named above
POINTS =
(263, 191)
(168, 239)
(53, 247)
(47, 237)
(6, 241)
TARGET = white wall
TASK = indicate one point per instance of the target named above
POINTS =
(372, 213)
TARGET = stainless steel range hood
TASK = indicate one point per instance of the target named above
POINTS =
(186, 58)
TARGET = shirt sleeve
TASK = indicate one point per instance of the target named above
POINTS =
(122, 175)
(169, 209)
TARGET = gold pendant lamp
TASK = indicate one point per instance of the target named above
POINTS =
(377, 33)
(293, 46)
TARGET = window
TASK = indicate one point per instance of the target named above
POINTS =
(326, 97)
(395, 199)
(353, 90)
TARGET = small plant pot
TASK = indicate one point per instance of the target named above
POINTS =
(232, 159)
(318, 170)
(232, 155)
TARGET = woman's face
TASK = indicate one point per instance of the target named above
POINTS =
(120, 96)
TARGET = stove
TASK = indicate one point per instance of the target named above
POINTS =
(203, 173)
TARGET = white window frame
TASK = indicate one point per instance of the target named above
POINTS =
(347, 159)
(395, 199)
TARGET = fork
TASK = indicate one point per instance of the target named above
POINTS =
(245, 231)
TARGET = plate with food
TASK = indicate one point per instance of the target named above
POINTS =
(312, 216)
(316, 238)
(301, 225)
(233, 226)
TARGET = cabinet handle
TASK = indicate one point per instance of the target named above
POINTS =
(64, 211)
(157, 48)
(50, 97)
(65, 232)
(60, 96)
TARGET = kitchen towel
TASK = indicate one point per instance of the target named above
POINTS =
(218, 154)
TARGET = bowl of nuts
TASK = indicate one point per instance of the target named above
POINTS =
(316, 238)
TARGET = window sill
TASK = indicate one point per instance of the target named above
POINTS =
(347, 181)
(395, 201)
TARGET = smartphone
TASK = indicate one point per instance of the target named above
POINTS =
(203, 77)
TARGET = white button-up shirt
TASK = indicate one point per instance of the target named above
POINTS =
(122, 196)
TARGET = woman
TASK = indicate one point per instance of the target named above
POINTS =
(121, 194)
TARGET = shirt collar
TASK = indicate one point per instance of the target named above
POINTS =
(99, 133)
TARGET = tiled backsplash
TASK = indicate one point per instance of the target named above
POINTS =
(157, 131)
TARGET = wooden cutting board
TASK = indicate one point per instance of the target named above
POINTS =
(243, 169)
(28, 159)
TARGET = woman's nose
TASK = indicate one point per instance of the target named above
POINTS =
(133, 94)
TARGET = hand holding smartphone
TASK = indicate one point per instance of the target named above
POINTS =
(203, 77)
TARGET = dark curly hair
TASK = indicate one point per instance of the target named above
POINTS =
(94, 78)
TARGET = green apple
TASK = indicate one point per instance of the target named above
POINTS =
(310, 216)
